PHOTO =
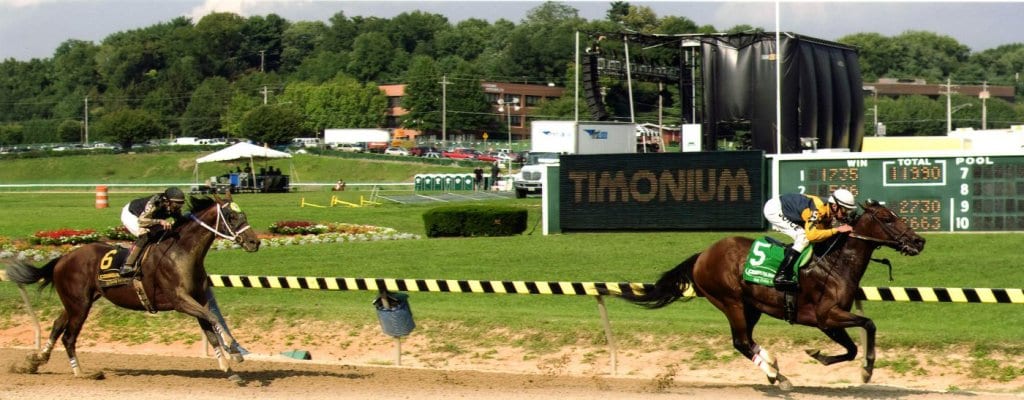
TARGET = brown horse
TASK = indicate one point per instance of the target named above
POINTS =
(828, 285)
(173, 278)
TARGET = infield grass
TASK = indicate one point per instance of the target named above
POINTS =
(545, 322)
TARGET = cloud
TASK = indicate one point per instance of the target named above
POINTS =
(245, 8)
(23, 3)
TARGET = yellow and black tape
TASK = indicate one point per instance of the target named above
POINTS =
(426, 285)
(900, 294)
(942, 295)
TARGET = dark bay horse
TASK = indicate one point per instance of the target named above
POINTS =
(829, 284)
(173, 278)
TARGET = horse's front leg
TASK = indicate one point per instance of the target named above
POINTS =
(837, 321)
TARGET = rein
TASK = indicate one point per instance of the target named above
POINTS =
(216, 229)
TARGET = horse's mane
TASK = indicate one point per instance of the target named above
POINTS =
(200, 203)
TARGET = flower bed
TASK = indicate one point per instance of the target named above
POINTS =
(46, 245)
(65, 236)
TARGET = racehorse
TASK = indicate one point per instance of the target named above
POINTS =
(173, 278)
(828, 285)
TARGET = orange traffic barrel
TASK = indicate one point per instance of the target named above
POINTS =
(101, 197)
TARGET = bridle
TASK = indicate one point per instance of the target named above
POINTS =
(221, 219)
(888, 231)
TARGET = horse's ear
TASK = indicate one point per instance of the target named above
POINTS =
(216, 196)
(227, 198)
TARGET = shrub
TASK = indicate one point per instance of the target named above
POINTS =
(474, 221)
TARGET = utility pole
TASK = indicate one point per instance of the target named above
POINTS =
(86, 121)
(949, 105)
(984, 110)
(264, 94)
(444, 109)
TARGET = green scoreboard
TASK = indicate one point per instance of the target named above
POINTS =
(947, 192)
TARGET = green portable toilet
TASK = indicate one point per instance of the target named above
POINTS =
(417, 183)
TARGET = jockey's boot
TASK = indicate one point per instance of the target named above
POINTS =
(784, 279)
(130, 263)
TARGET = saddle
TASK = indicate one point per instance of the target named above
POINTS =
(110, 274)
(110, 268)
(763, 261)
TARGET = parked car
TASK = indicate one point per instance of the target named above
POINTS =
(431, 154)
(488, 157)
(419, 151)
(460, 153)
(349, 148)
(396, 151)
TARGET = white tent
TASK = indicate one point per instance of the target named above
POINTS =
(241, 151)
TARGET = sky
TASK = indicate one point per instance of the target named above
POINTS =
(34, 28)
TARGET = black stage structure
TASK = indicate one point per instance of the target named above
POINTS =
(727, 84)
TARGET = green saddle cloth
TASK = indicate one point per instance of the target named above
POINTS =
(764, 258)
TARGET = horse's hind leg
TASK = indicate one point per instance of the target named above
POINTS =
(36, 359)
(840, 336)
(76, 319)
(742, 325)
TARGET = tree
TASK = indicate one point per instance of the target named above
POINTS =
(129, 126)
(273, 124)
(345, 103)
(70, 131)
(263, 46)
(468, 109)
(299, 41)
(202, 117)
(423, 96)
(875, 54)
(414, 32)
(11, 134)
(371, 55)
(640, 19)
(467, 40)
(218, 41)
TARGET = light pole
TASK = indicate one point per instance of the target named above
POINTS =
(508, 115)
(508, 118)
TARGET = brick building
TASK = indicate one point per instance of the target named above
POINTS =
(528, 97)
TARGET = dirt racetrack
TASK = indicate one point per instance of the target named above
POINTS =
(179, 371)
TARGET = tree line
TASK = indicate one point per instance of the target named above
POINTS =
(270, 79)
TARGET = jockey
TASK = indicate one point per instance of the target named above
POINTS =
(146, 214)
(806, 219)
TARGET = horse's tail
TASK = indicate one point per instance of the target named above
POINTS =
(669, 288)
(24, 273)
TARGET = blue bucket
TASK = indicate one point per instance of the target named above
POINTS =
(395, 320)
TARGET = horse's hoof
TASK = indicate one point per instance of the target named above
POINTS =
(865, 375)
(237, 357)
(784, 383)
(27, 368)
(237, 380)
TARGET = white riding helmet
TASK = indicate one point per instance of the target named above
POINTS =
(844, 199)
